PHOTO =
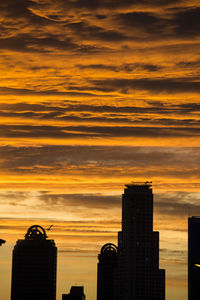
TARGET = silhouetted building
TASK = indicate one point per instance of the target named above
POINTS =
(106, 270)
(34, 267)
(76, 293)
(193, 258)
(2, 242)
(137, 275)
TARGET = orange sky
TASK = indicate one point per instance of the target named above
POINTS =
(93, 95)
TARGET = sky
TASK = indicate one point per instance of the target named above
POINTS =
(95, 95)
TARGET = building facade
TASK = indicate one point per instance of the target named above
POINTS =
(34, 266)
(193, 257)
(76, 293)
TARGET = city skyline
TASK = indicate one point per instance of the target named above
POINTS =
(137, 242)
(95, 95)
(133, 210)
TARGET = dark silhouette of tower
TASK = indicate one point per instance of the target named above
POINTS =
(106, 269)
(76, 293)
(34, 267)
(137, 275)
(193, 257)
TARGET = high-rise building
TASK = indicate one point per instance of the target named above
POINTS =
(34, 267)
(76, 293)
(106, 270)
(137, 275)
(193, 257)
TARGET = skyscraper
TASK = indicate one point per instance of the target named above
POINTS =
(193, 257)
(34, 267)
(137, 275)
(76, 293)
(106, 270)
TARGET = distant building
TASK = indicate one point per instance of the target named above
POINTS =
(76, 293)
(2, 242)
(193, 258)
(34, 267)
(137, 275)
(106, 269)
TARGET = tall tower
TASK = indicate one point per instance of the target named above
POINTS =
(193, 257)
(138, 273)
(106, 269)
(34, 267)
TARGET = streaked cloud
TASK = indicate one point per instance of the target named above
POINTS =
(93, 95)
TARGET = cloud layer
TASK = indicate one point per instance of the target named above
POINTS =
(94, 95)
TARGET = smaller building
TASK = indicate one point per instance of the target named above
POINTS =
(106, 272)
(193, 257)
(2, 242)
(34, 266)
(76, 293)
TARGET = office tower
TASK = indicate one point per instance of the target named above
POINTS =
(193, 258)
(106, 269)
(76, 293)
(137, 275)
(34, 267)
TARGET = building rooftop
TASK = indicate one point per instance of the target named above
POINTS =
(36, 232)
(77, 290)
(146, 184)
(195, 219)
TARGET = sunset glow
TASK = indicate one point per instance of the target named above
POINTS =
(94, 95)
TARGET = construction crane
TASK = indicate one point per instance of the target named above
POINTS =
(49, 227)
